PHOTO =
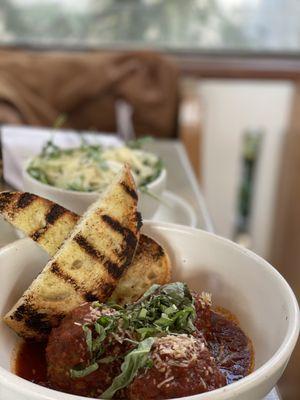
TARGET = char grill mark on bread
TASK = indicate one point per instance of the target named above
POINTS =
(33, 319)
(139, 219)
(69, 280)
(71, 277)
(25, 199)
(151, 265)
(5, 200)
(127, 234)
(111, 267)
(87, 247)
(129, 237)
(130, 191)
(62, 275)
(55, 212)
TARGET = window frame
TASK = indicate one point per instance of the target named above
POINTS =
(213, 64)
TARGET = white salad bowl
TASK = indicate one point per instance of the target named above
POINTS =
(78, 202)
(238, 280)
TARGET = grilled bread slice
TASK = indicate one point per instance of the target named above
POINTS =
(50, 224)
(87, 266)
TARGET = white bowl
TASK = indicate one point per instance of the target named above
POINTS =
(238, 280)
(79, 201)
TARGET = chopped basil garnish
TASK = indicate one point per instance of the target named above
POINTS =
(107, 360)
(81, 373)
(143, 313)
(133, 361)
(162, 310)
(152, 289)
(88, 337)
(169, 308)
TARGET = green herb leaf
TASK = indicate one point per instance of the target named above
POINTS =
(148, 332)
(164, 321)
(60, 120)
(105, 321)
(50, 150)
(133, 361)
(149, 292)
(171, 310)
(157, 168)
(107, 360)
(81, 373)
(139, 143)
(38, 174)
(88, 337)
(99, 329)
(143, 313)
(144, 189)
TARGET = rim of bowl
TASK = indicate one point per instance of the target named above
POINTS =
(281, 355)
(160, 178)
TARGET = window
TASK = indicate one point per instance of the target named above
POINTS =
(194, 25)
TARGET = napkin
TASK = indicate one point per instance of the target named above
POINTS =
(21, 143)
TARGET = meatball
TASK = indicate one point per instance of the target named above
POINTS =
(181, 366)
(202, 304)
(231, 348)
(67, 349)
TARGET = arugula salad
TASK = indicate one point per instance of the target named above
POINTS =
(91, 168)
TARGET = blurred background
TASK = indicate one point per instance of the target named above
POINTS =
(220, 75)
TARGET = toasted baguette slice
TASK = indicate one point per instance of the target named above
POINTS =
(151, 265)
(50, 224)
(46, 222)
(87, 266)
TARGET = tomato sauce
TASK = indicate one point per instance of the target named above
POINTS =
(30, 362)
(231, 348)
(227, 343)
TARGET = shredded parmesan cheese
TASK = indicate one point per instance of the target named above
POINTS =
(165, 381)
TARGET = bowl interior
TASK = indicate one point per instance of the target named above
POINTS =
(238, 280)
(20, 263)
(8, 233)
